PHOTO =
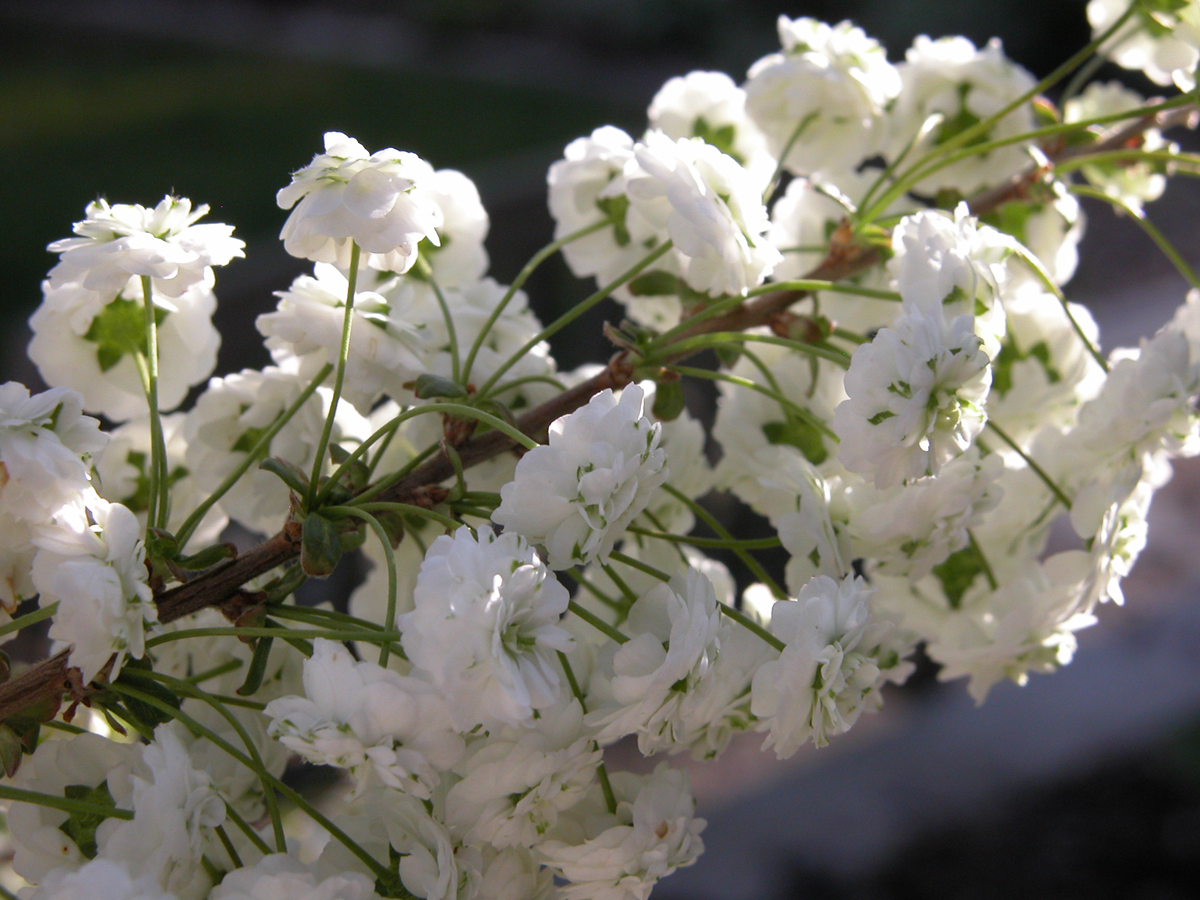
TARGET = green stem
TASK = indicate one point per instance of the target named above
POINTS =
(604, 598)
(384, 483)
(18, 795)
(987, 567)
(252, 456)
(230, 666)
(338, 379)
(29, 619)
(536, 260)
(915, 173)
(389, 555)
(713, 543)
(596, 622)
(1163, 156)
(158, 503)
(610, 799)
(320, 818)
(787, 148)
(813, 285)
(628, 592)
(244, 827)
(1138, 216)
(451, 334)
(710, 520)
(571, 315)
(750, 625)
(369, 637)
(640, 566)
(406, 509)
(716, 338)
(230, 850)
(1038, 470)
(778, 397)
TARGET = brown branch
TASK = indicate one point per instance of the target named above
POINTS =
(846, 258)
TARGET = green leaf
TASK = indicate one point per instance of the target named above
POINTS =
(881, 417)
(655, 283)
(615, 208)
(428, 387)
(207, 557)
(799, 434)
(668, 400)
(249, 440)
(147, 715)
(959, 572)
(11, 751)
(258, 667)
(289, 473)
(118, 329)
(320, 546)
(81, 826)
(722, 138)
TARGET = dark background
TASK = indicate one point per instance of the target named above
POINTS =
(220, 101)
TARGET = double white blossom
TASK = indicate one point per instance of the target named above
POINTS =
(622, 856)
(279, 876)
(346, 195)
(123, 241)
(1162, 38)
(916, 398)
(836, 657)
(576, 494)
(822, 98)
(484, 628)
(368, 719)
(91, 561)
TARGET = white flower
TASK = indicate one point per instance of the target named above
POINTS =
(837, 656)
(365, 718)
(952, 264)
(174, 810)
(670, 654)
(45, 448)
(916, 401)
(1043, 371)
(800, 512)
(100, 878)
(1129, 181)
(714, 212)
(513, 874)
(484, 628)
(622, 856)
(118, 242)
(578, 493)
(1027, 625)
(123, 467)
(280, 876)
(831, 83)
(964, 85)
(1162, 39)
(345, 195)
(459, 256)
(516, 782)
(709, 105)
(91, 561)
(909, 529)
(85, 761)
(231, 416)
(386, 348)
(88, 341)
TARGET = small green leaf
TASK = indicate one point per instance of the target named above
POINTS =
(880, 417)
(799, 434)
(669, 401)
(258, 667)
(249, 440)
(145, 714)
(428, 387)
(959, 572)
(289, 473)
(615, 208)
(655, 283)
(120, 328)
(81, 826)
(11, 751)
(207, 557)
(320, 546)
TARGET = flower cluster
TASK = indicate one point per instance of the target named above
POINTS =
(876, 253)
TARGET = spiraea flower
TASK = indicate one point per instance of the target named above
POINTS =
(835, 659)
(951, 78)
(916, 398)
(515, 784)
(670, 655)
(622, 856)
(1162, 38)
(710, 106)
(484, 628)
(346, 195)
(713, 212)
(821, 98)
(91, 561)
(575, 495)
(279, 875)
(387, 349)
(367, 719)
(123, 241)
